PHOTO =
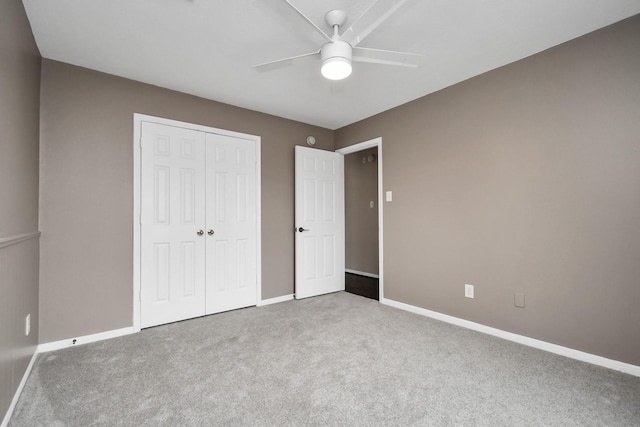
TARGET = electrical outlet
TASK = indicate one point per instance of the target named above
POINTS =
(27, 325)
(518, 300)
(371, 204)
(468, 291)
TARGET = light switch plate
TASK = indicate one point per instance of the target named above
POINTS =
(468, 291)
(389, 196)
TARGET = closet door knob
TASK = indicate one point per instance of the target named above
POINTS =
(210, 232)
(199, 232)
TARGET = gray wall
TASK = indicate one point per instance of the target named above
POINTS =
(524, 179)
(87, 192)
(361, 221)
(19, 121)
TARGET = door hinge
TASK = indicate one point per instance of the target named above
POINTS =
(140, 219)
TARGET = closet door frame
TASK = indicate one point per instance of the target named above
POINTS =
(138, 119)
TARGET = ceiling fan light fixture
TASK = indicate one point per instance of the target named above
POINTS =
(336, 68)
(336, 60)
(337, 52)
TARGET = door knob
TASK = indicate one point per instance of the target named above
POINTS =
(200, 232)
(303, 229)
(210, 232)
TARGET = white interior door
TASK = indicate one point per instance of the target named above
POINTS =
(172, 213)
(198, 223)
(231, 223)
(319, 216)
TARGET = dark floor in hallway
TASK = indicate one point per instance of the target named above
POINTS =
(361, 285)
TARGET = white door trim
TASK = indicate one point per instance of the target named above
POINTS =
(375, 142)
(137, 169)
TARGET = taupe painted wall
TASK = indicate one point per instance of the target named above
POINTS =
(87, 192)
(525, 179)
(19, 121)
(361, 221)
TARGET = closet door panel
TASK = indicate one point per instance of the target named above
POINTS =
(172, 211)
(231, 216)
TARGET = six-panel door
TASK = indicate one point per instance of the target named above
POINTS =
(198, 224)
(231, 217)
(319, 216)
(173, 211)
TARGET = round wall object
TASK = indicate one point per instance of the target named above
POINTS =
(311, 140)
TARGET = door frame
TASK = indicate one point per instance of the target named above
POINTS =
(138, 119)
(375, 142)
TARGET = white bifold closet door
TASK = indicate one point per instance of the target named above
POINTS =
(198, 224)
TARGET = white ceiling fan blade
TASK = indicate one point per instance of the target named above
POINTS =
(369, 21)
(326, 36)
(268, 66)
(388, 57)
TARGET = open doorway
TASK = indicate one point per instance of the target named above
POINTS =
(363, 218)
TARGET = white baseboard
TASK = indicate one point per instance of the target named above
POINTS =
(616, 365)
(275, 300)
(361, 273)
(86, 339)
(16, 396)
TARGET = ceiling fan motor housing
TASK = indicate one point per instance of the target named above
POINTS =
(336, 60)
(336, 49)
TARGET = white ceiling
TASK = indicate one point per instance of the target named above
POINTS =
(206, 47)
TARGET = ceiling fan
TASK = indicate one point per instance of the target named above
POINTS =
(340, 49)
